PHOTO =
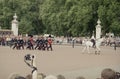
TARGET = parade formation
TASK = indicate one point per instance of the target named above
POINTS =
(40, 43)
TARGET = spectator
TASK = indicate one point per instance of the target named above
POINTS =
(60, 77)
(108, 74)
(81, 77)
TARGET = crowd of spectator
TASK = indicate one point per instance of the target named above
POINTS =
(106, 73)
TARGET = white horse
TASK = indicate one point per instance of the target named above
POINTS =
(89, 44)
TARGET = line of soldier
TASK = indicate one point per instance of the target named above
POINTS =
(40, 43)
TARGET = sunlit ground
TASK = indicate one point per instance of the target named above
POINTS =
(63, 60)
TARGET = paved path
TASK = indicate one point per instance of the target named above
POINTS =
(64, 60)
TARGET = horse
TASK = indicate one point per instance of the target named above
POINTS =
(89, 44)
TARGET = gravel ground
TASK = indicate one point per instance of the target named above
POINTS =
(63, 60)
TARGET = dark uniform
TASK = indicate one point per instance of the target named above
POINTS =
(93, 41)
(37, 44)
(15, 43)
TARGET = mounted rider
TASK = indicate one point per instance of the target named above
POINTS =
(93, 41)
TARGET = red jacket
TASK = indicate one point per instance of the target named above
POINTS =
(49, 41)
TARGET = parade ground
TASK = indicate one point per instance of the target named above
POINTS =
(65, 60)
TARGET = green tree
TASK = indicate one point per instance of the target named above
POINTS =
(61, 17)
(108, 12)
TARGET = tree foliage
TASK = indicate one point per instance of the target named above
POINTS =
(61, 17)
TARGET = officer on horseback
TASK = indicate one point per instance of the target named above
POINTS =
(93, 41)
